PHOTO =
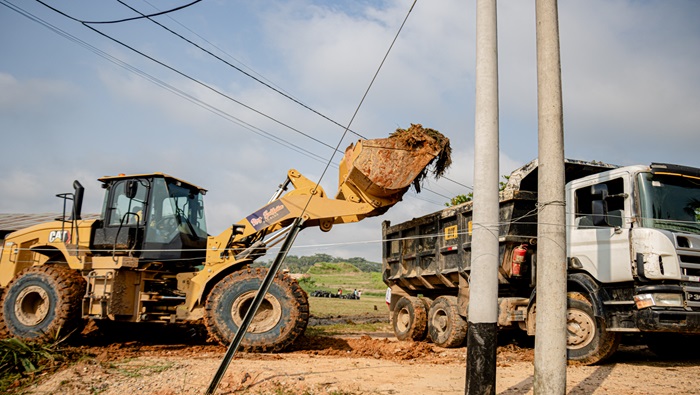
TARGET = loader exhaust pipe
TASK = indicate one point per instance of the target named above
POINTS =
(77, 200)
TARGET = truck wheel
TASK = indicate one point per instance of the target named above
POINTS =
(281, 318)
(410, 319)
(445, 326)
(42, 304)
(588, 341)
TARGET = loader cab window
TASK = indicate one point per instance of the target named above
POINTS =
(175, 209)
(128, 202)
(601, 205)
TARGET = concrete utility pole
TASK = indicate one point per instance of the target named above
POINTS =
(483, 293)
(550, 340)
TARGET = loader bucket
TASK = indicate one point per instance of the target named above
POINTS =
(380, 171)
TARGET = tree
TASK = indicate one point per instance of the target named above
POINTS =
(459, 199)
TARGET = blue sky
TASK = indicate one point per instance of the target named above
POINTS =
(630, 75)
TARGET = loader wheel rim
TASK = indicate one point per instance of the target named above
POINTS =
(32, 305)
(580, 327)
(268, 315)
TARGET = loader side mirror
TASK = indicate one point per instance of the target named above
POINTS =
(131, 189)
(599, 204)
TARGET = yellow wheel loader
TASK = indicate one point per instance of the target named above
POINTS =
(149, 258)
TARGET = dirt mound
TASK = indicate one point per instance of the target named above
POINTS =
(365, 346)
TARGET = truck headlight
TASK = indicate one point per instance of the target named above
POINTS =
(658, 299)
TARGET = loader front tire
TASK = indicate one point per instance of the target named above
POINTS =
(43, 304)
(410, 319)
(281, 318)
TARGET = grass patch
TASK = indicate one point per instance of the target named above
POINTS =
(333, 276)
(20, 361)
(332, 307)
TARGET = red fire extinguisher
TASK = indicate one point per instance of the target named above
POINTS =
(519, 253)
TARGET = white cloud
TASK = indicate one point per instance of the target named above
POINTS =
(34, 96)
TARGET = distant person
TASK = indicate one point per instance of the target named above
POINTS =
(359, 293)
(340, 291)
(354, 293)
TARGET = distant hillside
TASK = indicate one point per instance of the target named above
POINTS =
(302, 264)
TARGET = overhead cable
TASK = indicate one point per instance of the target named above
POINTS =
(185, 75)
(239, 69)
(217, 111)
(142, 15)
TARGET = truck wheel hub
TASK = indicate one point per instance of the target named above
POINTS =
(403, 320)
(32, 305)
(580, 328)
(268, 315)
(440, 321)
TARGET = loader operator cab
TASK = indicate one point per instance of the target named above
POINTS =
(153, 217)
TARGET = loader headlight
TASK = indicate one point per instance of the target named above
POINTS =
(658, 299)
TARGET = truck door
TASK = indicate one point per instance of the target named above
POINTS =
(598, 236)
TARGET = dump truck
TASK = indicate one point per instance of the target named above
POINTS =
(149, 259)
(633, 261)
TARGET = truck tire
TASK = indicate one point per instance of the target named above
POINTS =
(43, 304)
(410, 319)
(281, 318)
(588, 341)
(445, 326)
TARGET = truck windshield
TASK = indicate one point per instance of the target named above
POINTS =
(670, 202)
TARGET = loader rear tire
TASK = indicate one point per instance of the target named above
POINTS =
(281, 318)
(446, 327)
(43, 304)
(410, 319)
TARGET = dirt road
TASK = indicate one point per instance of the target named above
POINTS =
(184, 362)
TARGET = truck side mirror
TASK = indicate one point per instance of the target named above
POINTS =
(599, 204)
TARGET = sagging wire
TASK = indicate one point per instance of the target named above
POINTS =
(214, 110)
(185, 75)
(287, 96)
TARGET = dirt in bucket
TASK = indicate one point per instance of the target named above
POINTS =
(417, 136)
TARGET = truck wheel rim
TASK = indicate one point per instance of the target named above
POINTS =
(580, 327)
(439, 321)
(403, 320)
(268, 315)
(32, 306)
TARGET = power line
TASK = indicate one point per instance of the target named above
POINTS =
(166, 85)
(266, 84)
(364, 96)
(239, 69)
(143, 15)
(185, 75)
(219, 49)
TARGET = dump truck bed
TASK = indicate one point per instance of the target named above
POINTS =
(427, 255)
